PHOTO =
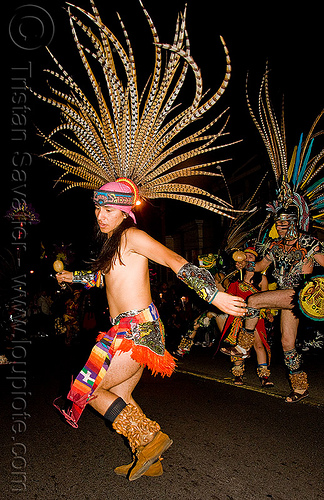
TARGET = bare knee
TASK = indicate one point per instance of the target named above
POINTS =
(288, 342)
(289, 327)
(109, 396)
(251, 300)
(255, 300)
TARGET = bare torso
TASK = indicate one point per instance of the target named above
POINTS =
(128, 285)
(128, 282)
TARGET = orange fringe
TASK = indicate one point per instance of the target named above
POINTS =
(164, 365)
(100, 336)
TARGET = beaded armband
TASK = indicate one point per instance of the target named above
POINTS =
(88, 278)
(250, 266)
(252, 312)
(200, 280)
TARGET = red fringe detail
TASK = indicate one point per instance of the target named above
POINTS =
(100, 336)
(164, 365)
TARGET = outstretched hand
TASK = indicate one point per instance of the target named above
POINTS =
(64, 277)
(230, 304)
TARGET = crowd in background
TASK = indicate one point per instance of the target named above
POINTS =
(76, 315)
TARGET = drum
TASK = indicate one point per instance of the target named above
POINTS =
(311, 298)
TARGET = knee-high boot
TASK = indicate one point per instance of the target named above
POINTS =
(245, 339)
(145, 438)
(154, 470)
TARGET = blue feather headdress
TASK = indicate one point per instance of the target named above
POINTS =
(300, 184)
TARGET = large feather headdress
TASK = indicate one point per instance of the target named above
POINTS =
(131, 136)
(299, 183)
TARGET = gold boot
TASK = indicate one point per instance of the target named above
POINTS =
(146, 440)
(155, 470)
(245, 339)
(148, 455)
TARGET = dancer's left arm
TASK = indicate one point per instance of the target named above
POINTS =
(196, 278)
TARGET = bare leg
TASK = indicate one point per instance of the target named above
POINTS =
(259, 350)
(275, 299)
(282, 299)
(263, 370)
(220, 321)
(145, 438)
(120, 380)
(289, 326)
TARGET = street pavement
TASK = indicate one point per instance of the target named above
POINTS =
(230, 443)
(202, 362)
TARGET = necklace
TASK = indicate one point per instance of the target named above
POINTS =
(285, 244)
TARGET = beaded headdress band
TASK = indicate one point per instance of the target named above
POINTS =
(113, 198)
(251, 250)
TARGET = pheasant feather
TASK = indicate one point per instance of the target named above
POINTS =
(125, 133)
(300, 184)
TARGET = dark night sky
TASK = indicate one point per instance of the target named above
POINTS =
(291, 41)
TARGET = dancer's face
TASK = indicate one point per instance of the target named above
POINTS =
(282, 227)
(108, 218)
(250, 257)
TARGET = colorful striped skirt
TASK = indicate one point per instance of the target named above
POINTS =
(142, 333)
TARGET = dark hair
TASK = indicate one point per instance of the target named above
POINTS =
(110, 250)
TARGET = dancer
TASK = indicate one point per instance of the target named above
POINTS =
(137, 337)
(292, 256)
(205, 325)
(125, 150)
(290, 250)
(252, 283)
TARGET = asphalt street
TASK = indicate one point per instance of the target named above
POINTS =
(228, 442)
